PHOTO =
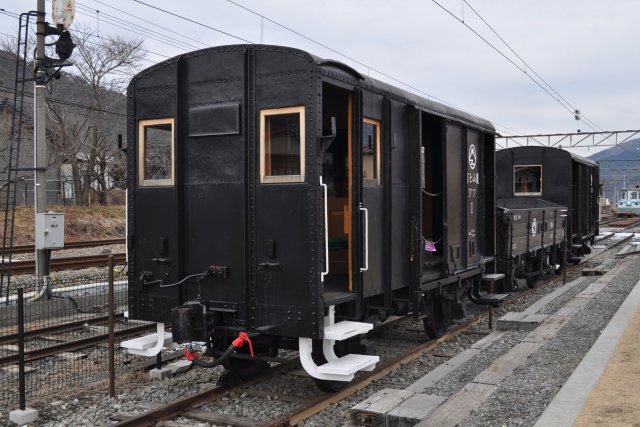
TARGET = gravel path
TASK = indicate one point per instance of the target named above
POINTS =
(522, 397)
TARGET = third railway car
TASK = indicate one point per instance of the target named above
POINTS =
(557, 176)
(294, 202)
(546, 181)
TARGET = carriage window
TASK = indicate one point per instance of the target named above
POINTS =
(527, 180)
(282, 145)
(155, 152)
(371, 152)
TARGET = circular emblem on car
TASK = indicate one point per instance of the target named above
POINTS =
(472, 156)
(534, 227)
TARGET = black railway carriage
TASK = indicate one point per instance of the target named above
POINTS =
(531, 239)
(276, 193)
(557, 176)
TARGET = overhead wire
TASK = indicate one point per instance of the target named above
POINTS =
(108, 19)
(306, 38)
(570, 110)
(337, 52)
(300, 35)
(142, 33)
(527, 65)
(67, 103)
(108, 39)
(15, 15)
(194, 22)
(150, 22)
(352, 59)
(280, 25)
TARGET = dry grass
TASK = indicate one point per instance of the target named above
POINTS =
(81, 223)
(615, 401)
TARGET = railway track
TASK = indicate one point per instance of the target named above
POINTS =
(25, 249)
(624, 222)
(187, 407)
(34, 354)
(59, 264)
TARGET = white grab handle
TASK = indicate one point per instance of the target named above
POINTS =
(326, 231)
(366, 238)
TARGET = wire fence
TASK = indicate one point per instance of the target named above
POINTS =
(66, 337)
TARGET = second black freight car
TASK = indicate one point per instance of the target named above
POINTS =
(531, 239)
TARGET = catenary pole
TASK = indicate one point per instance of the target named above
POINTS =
(40, 141)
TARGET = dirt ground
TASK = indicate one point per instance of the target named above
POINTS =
(615, 400)
(80, 223)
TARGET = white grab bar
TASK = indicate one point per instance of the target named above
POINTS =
(366, 238)
(326, 231)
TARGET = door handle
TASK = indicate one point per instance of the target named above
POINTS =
(366, 238)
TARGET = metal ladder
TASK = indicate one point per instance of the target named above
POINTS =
(14, 139)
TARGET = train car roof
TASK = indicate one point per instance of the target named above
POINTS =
(573, 156)
(329, 67)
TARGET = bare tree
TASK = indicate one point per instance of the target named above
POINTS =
(90, 111)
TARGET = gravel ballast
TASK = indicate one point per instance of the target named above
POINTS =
(519, 399)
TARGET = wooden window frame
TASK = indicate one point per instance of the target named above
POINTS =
(275, 179)
(378, 180)
(142, 124)
(519, 193)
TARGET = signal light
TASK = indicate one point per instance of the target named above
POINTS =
(64, 46)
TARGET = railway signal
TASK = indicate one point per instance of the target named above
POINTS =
(49, 226)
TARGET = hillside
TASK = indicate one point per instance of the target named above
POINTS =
(619, 167)
(81, 223)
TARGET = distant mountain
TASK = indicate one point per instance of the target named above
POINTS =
(619, 167)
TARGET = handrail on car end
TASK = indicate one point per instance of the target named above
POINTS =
(326, 231)
(366, 238)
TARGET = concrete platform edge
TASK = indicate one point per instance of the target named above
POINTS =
(565, 407)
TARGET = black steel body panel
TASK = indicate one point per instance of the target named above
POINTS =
(526, 225)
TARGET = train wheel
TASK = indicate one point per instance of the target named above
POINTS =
(329, 386)
(246, 369)
(531, 282)
(435, 322)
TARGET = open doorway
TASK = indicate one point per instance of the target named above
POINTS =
(432, 189)
(337, 174)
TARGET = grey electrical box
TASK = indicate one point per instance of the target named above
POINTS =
(49, 230)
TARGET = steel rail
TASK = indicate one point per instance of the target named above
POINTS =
(64, 327)
(25, 249)
(182, 406)
(386, 367)
(58, 264)
(624, 222)
(362, 381)
(52, 350)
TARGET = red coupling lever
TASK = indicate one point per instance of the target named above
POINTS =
(243, 337)
(189, 355)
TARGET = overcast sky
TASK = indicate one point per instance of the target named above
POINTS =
(587, 50)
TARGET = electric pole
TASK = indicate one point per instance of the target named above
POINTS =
(49, 226)
(43, 256)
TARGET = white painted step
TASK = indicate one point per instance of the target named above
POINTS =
(492, 277)
(146, 342)
(346, 329)
(349, 364)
